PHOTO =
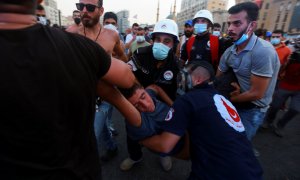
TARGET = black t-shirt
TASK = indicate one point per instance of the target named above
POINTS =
(48, 87)
(201, 50)
(218, 144)
(147, 73)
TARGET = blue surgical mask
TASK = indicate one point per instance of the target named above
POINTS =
(160, 51)
(243, 38)
(200, 28)
(275, 41)
(216, 33)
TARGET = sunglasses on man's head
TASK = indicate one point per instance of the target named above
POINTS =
(89, 7)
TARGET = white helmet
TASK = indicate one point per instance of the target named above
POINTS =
(167, 26)
(204, 14)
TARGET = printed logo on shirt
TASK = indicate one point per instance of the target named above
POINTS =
(228, 113)
(168, 75)
(208, 45)
(169, 115)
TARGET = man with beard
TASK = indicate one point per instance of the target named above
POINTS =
(204, 46)
(77, 22)
(91, 11)
(255, 64)
(188, 32)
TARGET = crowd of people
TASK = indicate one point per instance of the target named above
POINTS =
(199, 96)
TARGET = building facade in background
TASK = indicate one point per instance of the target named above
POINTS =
(190, 7)
(278, 14)
(221, 17)
(51, 10)
(123, 20)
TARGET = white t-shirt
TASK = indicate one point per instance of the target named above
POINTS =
(129, 37)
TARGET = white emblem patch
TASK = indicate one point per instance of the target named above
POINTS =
(169, 115)
(228, 113)
(208, 43)
(168, 75)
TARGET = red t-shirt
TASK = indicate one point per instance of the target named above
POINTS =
(291, 80)
(283, 53)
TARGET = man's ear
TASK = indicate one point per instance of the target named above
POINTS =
(101, 10)
(253, 26)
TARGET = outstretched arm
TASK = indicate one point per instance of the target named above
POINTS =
(163, 142)
(109, 93)
(119, 74)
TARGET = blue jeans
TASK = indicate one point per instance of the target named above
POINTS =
(251, 119)
(102, 131)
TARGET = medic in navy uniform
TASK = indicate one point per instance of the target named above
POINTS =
(157, 64)
(219, 148)
(204, 46)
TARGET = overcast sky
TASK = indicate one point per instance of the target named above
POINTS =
(145, 9)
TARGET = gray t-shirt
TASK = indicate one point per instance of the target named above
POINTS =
(259, 58)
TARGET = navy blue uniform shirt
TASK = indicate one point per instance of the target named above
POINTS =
(218, 144)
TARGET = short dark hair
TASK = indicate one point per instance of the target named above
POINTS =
(250, 7)
(217, 25)
(278, 31)
(20, 6)
(100, 3)
(135, 24)
(128, 92)
(40, 7)
(146, 28)
(76, 11)
(109, 15)
(260, 32)
(140, 29)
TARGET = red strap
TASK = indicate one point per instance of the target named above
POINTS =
(189, 46)
(214, 49)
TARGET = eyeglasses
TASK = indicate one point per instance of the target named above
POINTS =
(89, 7)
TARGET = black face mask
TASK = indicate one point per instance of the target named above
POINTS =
(77, 20)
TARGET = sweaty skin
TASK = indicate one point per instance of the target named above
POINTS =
(74, 28)
(119, 73)
(108, 39)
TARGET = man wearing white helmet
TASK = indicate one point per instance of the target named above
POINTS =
(204, 46)
(155, 64)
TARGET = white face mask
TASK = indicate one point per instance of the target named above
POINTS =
(111, 27)
(42, 20)
(140, 39)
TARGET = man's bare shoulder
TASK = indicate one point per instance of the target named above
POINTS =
(74, 28)
(110, 34)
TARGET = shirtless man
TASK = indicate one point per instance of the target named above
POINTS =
(77, 22)
(90, 13)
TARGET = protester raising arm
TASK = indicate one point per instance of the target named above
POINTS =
(119, 74)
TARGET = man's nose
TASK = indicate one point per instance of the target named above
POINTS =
(84, 9)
